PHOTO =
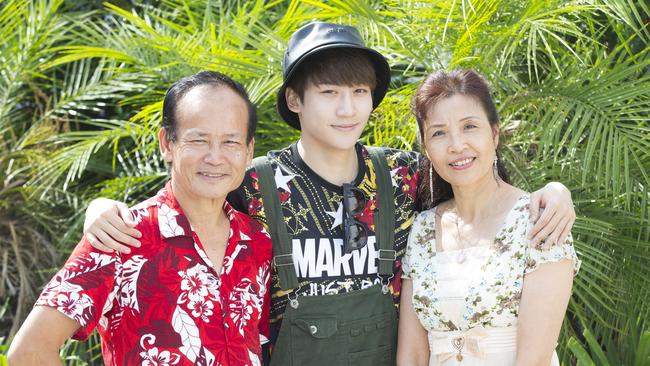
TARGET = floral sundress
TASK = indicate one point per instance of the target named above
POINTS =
(468, 299)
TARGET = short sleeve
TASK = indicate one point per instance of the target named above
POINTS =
(83, 289)
(408, 254)
(535, 256)
(264, 324)
(265, 318)
(420, 237)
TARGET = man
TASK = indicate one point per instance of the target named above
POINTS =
(196, 291)
(329, 283)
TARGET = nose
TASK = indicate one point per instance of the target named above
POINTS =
(456, 142)
(214, 155)
(346, 107)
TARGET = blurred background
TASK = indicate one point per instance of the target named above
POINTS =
(81, 87)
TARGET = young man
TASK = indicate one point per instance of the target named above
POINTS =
(195, 291)
(334, 283)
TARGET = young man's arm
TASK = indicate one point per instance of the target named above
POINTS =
(39, 338)
(556, 221)
(109, 225)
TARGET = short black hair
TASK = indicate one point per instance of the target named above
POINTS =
(335, 66)
(178, 90)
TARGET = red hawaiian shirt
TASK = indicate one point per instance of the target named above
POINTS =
(164, 304)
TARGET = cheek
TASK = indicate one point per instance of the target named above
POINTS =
(187, 153)
(486, 141)
(368, 106)
(238, 158)
(437, 152)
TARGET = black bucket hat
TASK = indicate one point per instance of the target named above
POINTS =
(316, 37)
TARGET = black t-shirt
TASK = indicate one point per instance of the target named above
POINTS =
(313, 213)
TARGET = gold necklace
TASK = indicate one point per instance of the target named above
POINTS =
(461, 256)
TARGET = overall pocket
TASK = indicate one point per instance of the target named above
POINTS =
(314, 341)
(371, 341)
(380, 356)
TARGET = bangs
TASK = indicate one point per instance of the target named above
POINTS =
(337, 66)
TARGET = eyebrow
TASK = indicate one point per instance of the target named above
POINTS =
(195, 133)
(443, 124)
(234, 134)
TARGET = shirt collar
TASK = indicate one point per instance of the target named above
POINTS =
(165, 197)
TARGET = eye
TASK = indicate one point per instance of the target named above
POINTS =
(470, 126)
(437, 133)
(328, 91)
(232, 142)
(362, 90)
(197, 141)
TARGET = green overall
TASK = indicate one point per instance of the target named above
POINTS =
(355, 328)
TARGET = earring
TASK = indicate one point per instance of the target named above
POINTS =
(495, 170)
(431, 180)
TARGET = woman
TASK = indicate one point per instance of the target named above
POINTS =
(474, 291)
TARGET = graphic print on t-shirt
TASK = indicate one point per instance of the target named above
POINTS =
(314, 217)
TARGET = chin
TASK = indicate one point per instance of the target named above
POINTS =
(465, 181)
(344, 144)
(212, 192)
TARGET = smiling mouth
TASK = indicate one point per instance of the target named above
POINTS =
(463, 162)
(212, 175)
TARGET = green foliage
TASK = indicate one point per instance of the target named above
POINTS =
(80, 102)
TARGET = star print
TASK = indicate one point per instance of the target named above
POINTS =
(392, 176)
(338, 216)
(282, 180)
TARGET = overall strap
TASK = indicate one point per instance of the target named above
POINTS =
(282, 258)
(385, 218)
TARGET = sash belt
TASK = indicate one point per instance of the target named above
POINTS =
(476, 342)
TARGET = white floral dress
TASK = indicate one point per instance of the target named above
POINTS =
(468, 299)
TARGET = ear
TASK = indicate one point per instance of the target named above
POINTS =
(165, 148)
(293, 100)
(251, 150)
(495, 135)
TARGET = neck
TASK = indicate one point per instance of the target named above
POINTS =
(335, 166)
(470, 201)
(204, 214)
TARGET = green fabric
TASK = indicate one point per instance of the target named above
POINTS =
(385, 217)
(282, 260)
(356, 328)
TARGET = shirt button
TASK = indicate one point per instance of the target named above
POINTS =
(313, 329)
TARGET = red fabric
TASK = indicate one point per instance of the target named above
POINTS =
(164, 304)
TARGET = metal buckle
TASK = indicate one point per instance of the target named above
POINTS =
(392, 255)
(284, 260)
(384, 286)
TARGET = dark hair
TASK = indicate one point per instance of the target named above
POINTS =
(436, 87)
(336, 66)
(178, 90)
